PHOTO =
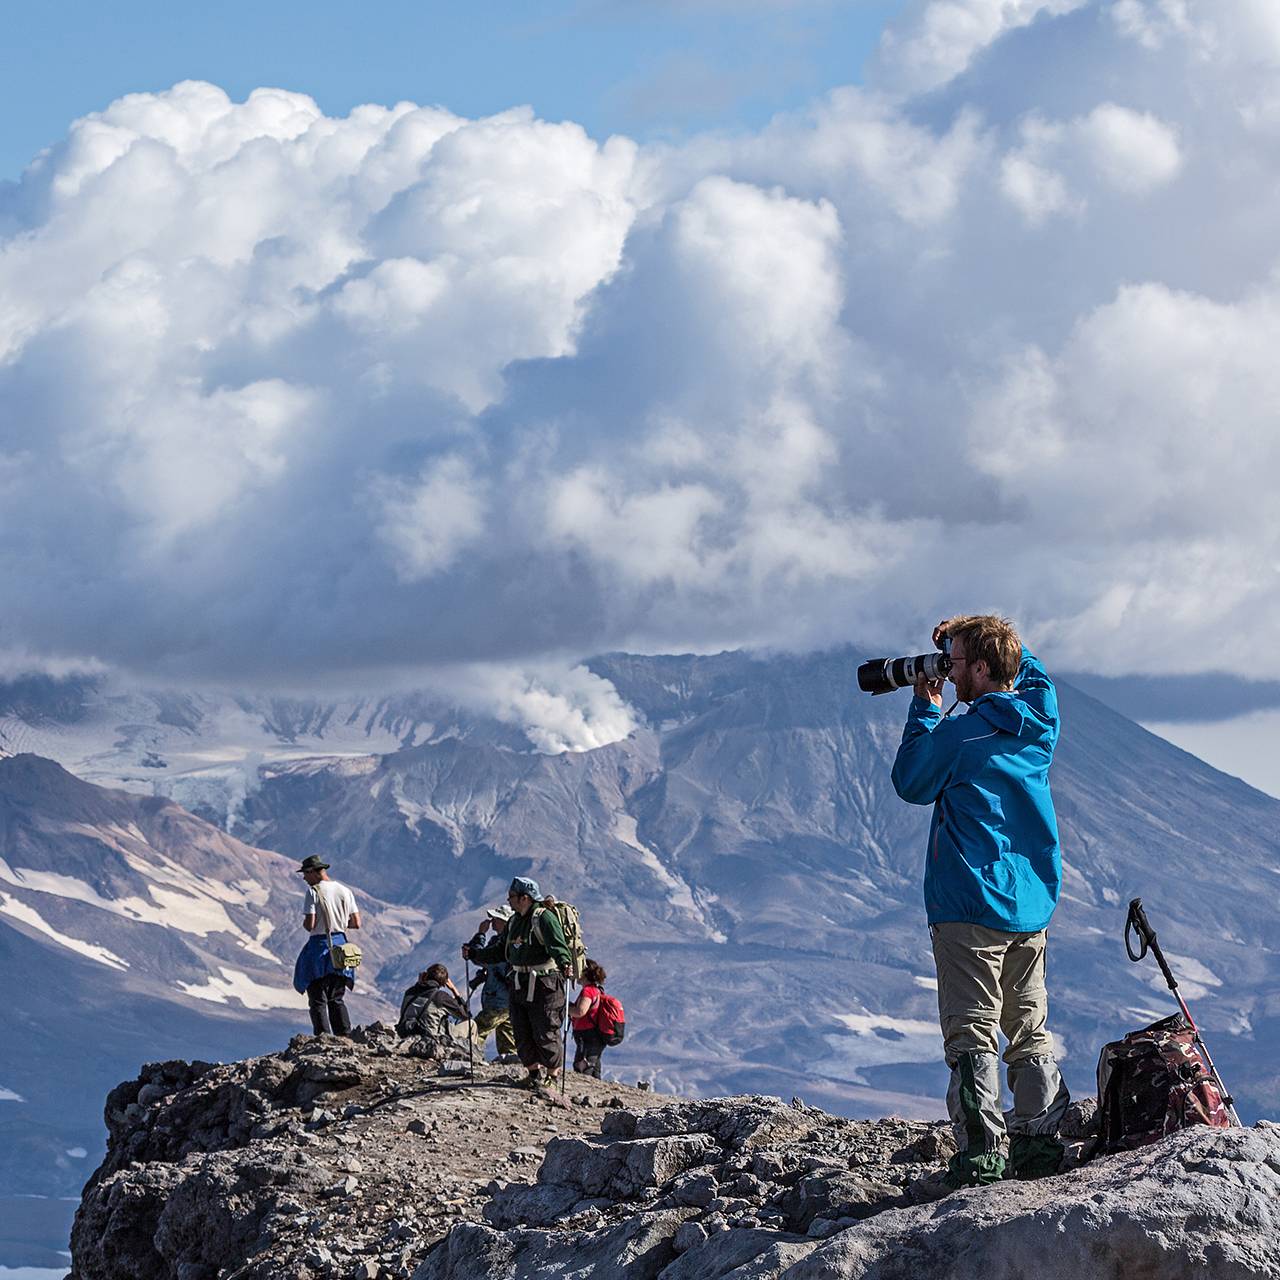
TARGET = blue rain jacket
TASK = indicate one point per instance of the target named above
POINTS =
(313, 962)
(993, 854)
(497, 986)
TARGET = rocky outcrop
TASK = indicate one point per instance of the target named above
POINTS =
(334, 1159)
(750, 1189)
(341, 1160)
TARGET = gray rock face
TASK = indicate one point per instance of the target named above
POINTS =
(708, 1188)
(1203, 1204)
(333, 1159)
(638, 1248)
(836, 1195)
(775, 1199)
(621, 1169)
(734, 1188)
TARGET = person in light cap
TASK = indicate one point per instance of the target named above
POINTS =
(495, 996)
(533, 944)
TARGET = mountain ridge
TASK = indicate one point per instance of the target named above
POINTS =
(746, 874)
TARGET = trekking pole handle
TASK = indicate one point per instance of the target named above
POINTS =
(1138, 923)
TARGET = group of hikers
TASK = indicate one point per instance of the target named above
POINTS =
(992, 878)
(523, 971)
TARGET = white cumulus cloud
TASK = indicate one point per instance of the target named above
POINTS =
(937, 39)
(1060, 165)
(287, 395)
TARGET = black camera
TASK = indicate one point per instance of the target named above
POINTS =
(884, 675)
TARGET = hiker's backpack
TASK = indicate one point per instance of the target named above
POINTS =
(1153, 1083)
(414, 1015)
(571, 925)
(611, 1021)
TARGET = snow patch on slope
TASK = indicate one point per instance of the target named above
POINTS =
(875, 1040)
(679, 893)
(233, 984)
(194, 908)
(24, 914)
(1194, 978)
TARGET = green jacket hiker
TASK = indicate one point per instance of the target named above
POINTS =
(534, 941)
(534, 946)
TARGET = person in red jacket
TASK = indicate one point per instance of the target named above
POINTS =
(588, 1042)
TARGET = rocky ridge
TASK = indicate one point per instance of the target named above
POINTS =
(334, 1158)
(368, 1161)
(750, 1189)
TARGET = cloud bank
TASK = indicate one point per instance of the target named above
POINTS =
(290, 398)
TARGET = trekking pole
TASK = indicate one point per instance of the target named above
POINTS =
(471, 1026)
(564, 1046)
(1137, 923)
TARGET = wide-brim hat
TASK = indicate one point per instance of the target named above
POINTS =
(503, 912)
(313, 863)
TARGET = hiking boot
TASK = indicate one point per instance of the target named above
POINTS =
(1034, 1156)
(532, 1081)
(981, 1170)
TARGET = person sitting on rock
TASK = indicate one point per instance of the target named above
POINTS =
(534, 946)
(588, 1041)
(495, 981)
(432, 1007)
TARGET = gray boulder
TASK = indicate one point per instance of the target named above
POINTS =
(541, 1205)
(724, 1253)
(1203, 1204)
(836, 1194)
(639, 1248)
(621, 1168)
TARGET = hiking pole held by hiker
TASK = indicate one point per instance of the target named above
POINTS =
(471, 1026)
(1138, 924)
(564, 1040)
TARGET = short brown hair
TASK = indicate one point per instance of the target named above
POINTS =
(991, 640)
(594, 973)
(437, 973)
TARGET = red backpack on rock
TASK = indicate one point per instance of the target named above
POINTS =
(611, 1021)
(1152, 1083)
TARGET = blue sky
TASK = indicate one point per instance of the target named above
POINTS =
(649, 69)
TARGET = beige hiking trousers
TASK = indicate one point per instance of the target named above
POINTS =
(990, 981)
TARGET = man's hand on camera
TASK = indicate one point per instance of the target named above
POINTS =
(940, 633)
(930, 690)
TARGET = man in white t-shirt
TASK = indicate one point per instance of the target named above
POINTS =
(329, 912)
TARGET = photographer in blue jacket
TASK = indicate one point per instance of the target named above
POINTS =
(992, 878)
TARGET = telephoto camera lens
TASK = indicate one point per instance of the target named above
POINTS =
(884, 675)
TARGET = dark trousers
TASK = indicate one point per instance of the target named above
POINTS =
(537, 1021)
(324, 999)
(588, 1045)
